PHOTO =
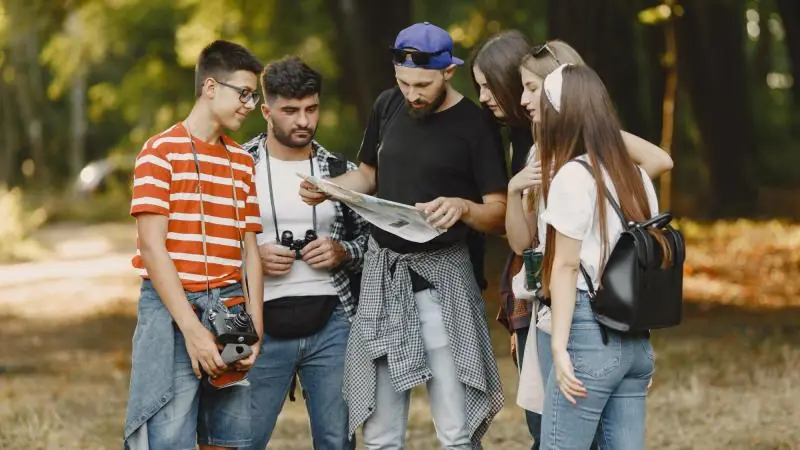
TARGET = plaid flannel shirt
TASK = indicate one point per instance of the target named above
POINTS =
(355, 247)
(388, 324)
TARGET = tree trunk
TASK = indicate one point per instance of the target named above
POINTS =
(603, 33)
(366, 30)
(8, 162)
(28, 83)
(78, 124)
(790, 16)
(712, 64)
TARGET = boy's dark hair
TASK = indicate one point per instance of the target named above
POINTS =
(290, 77)
(219, 60)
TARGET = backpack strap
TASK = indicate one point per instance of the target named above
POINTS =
(609, 196)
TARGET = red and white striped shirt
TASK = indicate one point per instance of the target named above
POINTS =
(165, 182)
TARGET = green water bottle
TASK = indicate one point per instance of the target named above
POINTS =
(533, 269)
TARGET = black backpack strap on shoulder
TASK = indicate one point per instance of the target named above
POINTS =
(610, 197)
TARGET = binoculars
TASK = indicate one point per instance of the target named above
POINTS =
(288, 240)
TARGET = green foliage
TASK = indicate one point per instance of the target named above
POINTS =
(137, 58)
(18, 224)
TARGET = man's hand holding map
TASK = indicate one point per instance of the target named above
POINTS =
(402, 220)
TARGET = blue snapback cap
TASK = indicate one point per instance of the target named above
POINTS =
(426, 37)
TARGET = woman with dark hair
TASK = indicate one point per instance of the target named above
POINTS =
(596, 382)
(496, 69)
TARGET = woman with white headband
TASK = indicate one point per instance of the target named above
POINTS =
(599, 378)
(524, 230)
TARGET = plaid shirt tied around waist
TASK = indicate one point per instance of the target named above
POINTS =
(387, 324)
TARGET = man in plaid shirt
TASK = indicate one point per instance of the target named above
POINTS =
(312, 257)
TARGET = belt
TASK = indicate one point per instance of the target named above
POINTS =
(229, 302)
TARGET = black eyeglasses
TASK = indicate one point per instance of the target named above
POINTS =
(245, 94)
(400, 55)
(539, 49)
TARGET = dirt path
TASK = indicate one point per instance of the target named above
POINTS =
(86, 269)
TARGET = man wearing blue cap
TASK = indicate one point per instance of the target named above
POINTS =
(421, 318)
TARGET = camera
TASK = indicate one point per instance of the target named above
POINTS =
(287, 240)
(235, 332)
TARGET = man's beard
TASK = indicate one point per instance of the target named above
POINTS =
(429, 109)
(287, 140)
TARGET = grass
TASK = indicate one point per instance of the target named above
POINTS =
(727, 378)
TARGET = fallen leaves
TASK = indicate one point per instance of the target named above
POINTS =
(742, 262)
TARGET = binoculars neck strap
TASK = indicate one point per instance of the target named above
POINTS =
(272, 196)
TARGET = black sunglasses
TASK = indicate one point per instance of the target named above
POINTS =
(245, 94)
(539, 49)
(401, 55)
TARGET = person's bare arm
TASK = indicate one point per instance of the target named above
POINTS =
(486, 217)
(650, 157)
(255, 287)
(362, 180)
(519, 220)
(563, 279)
(255, 281)
(519, 224)
(489, 216)
(200, 343)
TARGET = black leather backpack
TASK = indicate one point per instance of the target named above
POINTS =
(636, 294)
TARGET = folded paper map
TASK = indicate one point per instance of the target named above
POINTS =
(401, 220)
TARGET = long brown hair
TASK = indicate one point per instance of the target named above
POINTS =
(541, 62)
(588, 124)
(499, 59)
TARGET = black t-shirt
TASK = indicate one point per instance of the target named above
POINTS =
(453, 153)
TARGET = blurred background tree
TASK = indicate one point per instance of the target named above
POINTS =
(85, 80)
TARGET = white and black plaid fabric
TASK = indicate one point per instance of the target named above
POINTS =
(387, 324)
(355, 248)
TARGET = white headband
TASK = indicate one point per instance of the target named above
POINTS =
(553, 84)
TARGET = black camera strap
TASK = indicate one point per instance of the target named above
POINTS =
(235, 200)
(272, 196)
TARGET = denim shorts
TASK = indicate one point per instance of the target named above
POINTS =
(198, 413)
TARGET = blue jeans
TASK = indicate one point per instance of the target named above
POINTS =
(386, 427)
(198, 412)
(319, 361)
(615, 375)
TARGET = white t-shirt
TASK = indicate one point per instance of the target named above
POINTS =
(296, 216)
(572, 210)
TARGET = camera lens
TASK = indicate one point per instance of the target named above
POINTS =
(241, 321)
